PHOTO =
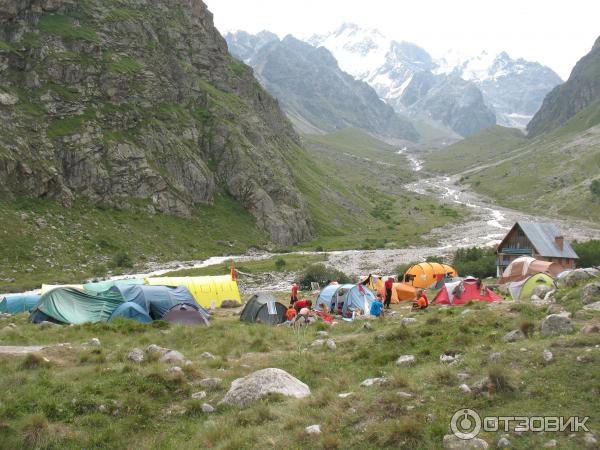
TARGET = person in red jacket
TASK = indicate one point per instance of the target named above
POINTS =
(294, 296)
(304, 303)
(389, 284)
(421, 301)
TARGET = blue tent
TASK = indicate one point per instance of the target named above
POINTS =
(158, 300)
(99, 286)
(345, 298)
(133, 311)
(18, 303)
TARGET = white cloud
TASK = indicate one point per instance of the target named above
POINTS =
(555, 33)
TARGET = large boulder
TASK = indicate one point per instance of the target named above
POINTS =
(244, 391)
(574, 277)
(556, 324)
(514, 335)
(590, 293)
(452, 442)
(541, 290)
(592, 306)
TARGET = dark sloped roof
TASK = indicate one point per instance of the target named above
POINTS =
(542, 237)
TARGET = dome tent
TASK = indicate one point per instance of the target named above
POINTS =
(525, 266)
(186, 314)
(464, 291)
(18, 303)
(263, 308)
(133, 311)
(523, 290)
(341, 298)
(429, 275)
(157, 300)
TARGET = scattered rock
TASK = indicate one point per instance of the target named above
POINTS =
(313, 429)
(318, 343)
(523, 349)
(153, 348)
(199, 395)
(503, 443)
(481, 385)
(465, 389)
(449, 356)
(406, 360)
(47, 324)
(94, 341)
(405, 394)
(574, 277)
(452, 442)
(345, 394)
(590, 440)
(323, 333)
(556, 324)
(592, 306)
(211, 383)
(514, 335)
(367, 326)
(548, 356)
(408, 320)
(207, 355)
(230, 304)
(541, 291)
(590, 293)
(551, 443)
(331, 344)
(8, 99)
(495, 357)
(250, 388)
(136, 355)
(371, 381)
(584, 359)
(206, 408)
(590, 329)
(173, 356)
(535, 298)
(175, 370)
(102, 408)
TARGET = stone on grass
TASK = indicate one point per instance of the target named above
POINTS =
(551, 443)
(94, 341)
(463, 376)
(548, 356)
(592, 306)
(367, 326)
(406, 360)
(244, 391)
(514, 335)
(409, 320)
(449, 356)
(405, 394)
(175, 370)
(465, 389)
(230, 304)
(173, 356)
(47, 324)
(574, 277)
(323, 333)
(313, 429)
(153, 348)
(541, 291)
(206, 408)
(590, 293)
(452, 442)
(590, 440)
(556, 324)
(331, 344)
(371, 381)
(207, 355)
(345, 394)
(494, 357)
(590, 329)
(199, 395)
(503, 443)
(318, 343)
(210, 382)
(136, 355)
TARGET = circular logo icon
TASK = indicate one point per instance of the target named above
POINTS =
(465, 424)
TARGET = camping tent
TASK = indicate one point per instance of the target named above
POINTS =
(209, 292)
(70, 305)
(461, 292)
(49, 287)
(343, 298)
(523, 290)
(525, 266)
(263, 308)
(99, 286)
(400, 292)
(429, 275)
(157, 300)
(133, 311)
(18, 303)
(186, 314)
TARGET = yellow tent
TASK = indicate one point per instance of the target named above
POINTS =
(209, 292)
(428, 274)
(49, 287)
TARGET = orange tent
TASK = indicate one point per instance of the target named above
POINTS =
(400, 292)
(428, 274)
(526, 266)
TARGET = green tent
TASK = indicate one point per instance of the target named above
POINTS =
(100, 286)
(71, 305)
(263, 308)
(523, 290)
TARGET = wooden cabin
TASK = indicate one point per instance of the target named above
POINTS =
(543, 241)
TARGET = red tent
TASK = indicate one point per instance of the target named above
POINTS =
(461, 292)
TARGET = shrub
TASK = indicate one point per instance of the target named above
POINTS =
(595, 190)
(33, 361)
(476, 261)
(588, 252)
(279, 264)
(35, 431)
(322, 274)
(122, 259)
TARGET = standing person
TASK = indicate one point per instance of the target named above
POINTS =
(294, 296)
(389, 284)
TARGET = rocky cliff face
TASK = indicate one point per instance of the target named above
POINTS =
(578, 92)
(139, 105)
(315, 93)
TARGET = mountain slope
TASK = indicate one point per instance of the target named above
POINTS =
(579, 91)
(139, 106)
(313, 90)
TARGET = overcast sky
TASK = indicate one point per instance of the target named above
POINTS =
(556, 33)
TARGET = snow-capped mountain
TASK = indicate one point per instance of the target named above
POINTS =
(512, 89)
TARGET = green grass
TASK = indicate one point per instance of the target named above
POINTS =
(124, 14)
(125, 65)
(89, 397)
(65, 28)
(5, 46)
(84, 241)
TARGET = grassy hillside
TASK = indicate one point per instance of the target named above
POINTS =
(489, 144)
(95, 397)
(350, 180)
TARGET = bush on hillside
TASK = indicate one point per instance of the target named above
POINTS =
(122, 259)
(588, 252)
(279, 264)
(477, 261)
(595, 190)
(322, 274)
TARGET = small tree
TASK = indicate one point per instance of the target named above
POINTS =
(279, 264)
(595, 190)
